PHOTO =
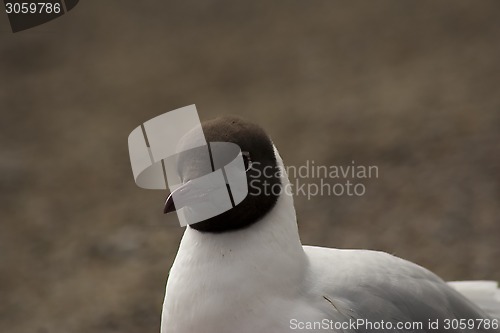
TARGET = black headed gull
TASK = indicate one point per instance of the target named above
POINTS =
(246, 271)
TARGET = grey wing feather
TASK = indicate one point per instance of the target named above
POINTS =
(418, 306)
(378, 286)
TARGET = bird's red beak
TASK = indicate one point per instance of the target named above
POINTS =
(169, 203)
(186, 194)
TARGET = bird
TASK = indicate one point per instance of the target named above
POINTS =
(246, 270)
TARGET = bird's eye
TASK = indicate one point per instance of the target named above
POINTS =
(246, 160)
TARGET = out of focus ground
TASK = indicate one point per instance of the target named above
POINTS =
(411, 87)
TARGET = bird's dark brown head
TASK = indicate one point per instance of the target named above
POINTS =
(263, 175)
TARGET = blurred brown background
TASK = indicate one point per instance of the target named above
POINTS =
(412, 87)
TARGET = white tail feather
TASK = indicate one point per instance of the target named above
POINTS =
(484, 294)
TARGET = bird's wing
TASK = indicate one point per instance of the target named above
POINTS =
(375, 286)
(485, 294)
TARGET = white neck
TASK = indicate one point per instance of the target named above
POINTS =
(231, 271)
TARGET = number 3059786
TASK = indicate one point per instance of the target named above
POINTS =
(32, 8)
